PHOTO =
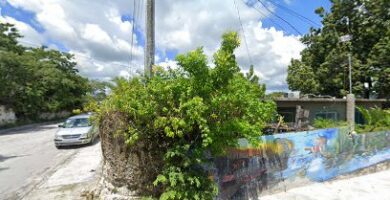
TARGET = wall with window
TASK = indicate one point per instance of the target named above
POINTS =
(327, 110)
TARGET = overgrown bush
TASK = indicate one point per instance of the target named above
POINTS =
(193, 113)
(328, 123)
(375, 119)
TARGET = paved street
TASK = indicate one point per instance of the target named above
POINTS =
(29, 162)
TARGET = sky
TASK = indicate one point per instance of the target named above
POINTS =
(100, 33)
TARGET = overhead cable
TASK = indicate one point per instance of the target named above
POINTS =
(279, 17)
(243, 32)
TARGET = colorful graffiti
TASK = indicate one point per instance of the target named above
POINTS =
(295, 158)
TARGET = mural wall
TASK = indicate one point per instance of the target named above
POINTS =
(285, 160)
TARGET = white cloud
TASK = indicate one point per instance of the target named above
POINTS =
(93, 33)
(185, 25)
(271, 52)
(94, 30)
(30, 35)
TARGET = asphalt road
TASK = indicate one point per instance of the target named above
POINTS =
(28, 158)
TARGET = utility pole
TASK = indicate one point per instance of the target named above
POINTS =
(149, 45)
(350, 105)
(350, 72)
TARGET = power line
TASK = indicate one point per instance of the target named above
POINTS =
(292, 12)
(132, 34)
(139, 10)
(270, 11)
(243, 32)
(142, 9)
(265, 17)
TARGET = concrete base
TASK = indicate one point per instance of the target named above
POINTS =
(350, 111)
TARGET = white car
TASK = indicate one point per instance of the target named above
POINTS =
(76, 130)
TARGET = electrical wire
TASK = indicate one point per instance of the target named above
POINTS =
(243, 32)
(292, 12)
(265, 17)
(279, 17)
(132, 33)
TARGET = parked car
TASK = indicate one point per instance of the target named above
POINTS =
(76, 130)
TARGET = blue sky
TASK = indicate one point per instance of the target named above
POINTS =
(86, 28)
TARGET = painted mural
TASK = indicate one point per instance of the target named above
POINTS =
(292, 158)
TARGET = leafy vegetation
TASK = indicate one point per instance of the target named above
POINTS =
(323, 67)
(193, 113)
(275, 95)
(328, 123)
(376, 119)
(36, 80)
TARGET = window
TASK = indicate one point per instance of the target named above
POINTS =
(327, 115)
(77, 122)
(288, 114)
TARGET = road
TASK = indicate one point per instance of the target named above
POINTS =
(29, 159)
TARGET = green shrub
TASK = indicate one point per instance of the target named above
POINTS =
(376, 119)
(194, 113)
(328, 123)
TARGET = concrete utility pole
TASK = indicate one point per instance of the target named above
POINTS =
(350, 72)
(149, 45)
(350, 111)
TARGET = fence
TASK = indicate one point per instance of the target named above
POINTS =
(288, 160)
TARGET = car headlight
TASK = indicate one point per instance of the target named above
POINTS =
(57, 136)
(84, 135)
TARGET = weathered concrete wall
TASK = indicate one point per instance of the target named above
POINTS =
(7, 116)
(129, 171)
(292, 159)
(282, 161)
(52, 115)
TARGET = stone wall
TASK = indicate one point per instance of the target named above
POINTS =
(7, 116)
(52, 115)
(127, 170)
(282, 161)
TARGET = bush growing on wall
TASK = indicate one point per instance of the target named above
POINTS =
(376, 119)
(328, 123)
(193, 113)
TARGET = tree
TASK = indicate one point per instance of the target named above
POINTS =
(379, 63)
(191, 114)
(323, 67)
(98, 89)
(36, 80)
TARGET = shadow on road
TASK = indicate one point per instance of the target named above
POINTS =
(31, 129)
(3, 168)
(3, 158)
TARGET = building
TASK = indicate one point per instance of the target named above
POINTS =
(328, 108)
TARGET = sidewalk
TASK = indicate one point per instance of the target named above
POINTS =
(374, 186)
(73, 178)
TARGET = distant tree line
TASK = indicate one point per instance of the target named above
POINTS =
(37, 80)
(323, 67)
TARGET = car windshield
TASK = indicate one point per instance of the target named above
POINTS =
(77, 122)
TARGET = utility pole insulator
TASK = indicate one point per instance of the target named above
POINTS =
(149, 45)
